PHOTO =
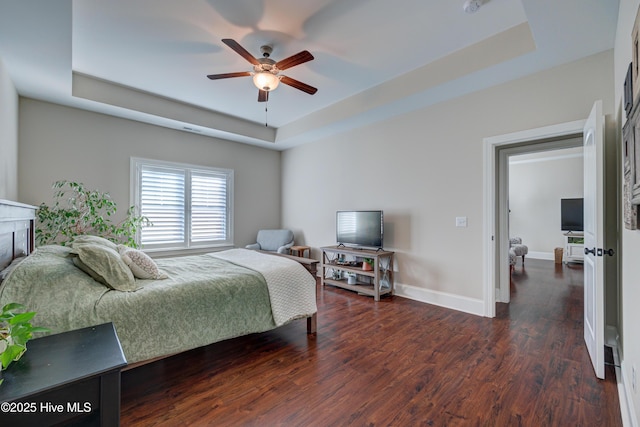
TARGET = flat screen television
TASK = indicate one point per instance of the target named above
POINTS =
(572, 214)
(360, 228)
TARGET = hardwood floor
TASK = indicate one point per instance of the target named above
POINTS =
(395, 362)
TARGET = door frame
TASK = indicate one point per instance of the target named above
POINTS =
(496, 151)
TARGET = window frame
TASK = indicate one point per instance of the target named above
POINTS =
(137, 163)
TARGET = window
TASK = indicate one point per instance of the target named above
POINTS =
(189, 206)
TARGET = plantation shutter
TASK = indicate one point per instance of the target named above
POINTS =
(162, 201)
(208, 206)
(188, 206)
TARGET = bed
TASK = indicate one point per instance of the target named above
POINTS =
(200, 299)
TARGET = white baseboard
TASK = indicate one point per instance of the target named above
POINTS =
(442, 299)
(541, 255)
(627, 410)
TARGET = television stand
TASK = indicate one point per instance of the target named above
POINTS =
(574, 246)
(375, 282)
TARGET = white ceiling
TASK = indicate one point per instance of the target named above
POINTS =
(147, 60)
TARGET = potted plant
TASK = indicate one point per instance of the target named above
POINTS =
(15, 330)
(367, 264)
(77, 210)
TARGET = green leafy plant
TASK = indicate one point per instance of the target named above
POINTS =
(77, 210)
(15, 330)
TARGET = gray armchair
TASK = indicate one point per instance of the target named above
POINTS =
(516, 249)
(273, 240)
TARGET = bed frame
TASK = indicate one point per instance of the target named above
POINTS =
(16, 230)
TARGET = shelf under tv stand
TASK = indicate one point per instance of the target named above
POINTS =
(376, 282)
(574, 246)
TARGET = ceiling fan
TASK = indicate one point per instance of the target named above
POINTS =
(266, 71)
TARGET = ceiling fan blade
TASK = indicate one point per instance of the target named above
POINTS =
(298, 85)
(229, 75)
(263, 95)
(240, 50)
(297, 59)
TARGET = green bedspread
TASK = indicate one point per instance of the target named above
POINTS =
(204, 300)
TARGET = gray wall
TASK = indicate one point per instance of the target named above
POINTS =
(59, 143)
(424, 168)
(8, 137)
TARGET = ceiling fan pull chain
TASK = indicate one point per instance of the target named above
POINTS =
(265, 114)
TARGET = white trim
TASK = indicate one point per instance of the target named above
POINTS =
(553, 131)
(491, 145)
(627, 410)
(549, 256)
(441, 299)
(625, 394)
(546, 159)
(488, 235)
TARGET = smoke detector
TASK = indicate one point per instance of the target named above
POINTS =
(472, 6)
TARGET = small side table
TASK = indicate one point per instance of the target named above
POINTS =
(299, 251)
(67, 378)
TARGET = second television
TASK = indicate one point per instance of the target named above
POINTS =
(360, 229)
(572, 214)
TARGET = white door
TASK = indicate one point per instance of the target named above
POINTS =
(594, 238)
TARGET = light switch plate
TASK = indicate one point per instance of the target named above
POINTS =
(461, 221)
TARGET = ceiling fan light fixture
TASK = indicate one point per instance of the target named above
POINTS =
(264, 80)
(266, 71)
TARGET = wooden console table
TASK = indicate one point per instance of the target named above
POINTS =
(375, 282)
(67, 378)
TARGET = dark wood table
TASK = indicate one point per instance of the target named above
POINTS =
(71, 378)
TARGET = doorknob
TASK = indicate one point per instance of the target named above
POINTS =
(601, 251)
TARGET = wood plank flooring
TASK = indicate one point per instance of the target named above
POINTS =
(395, 362)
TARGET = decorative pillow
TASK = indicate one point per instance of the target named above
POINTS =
(58, 250)
(88, 238)
(84, 267)
(104, 265)
(141, 264)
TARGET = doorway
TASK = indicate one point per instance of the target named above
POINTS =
(600, 219)
(537, 182)
(495, 231)
(504, 153)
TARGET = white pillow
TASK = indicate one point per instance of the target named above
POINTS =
(141, 264)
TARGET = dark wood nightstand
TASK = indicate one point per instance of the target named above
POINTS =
(71, 378)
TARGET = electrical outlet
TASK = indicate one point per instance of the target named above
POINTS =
(461, 221)
(633, 378)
